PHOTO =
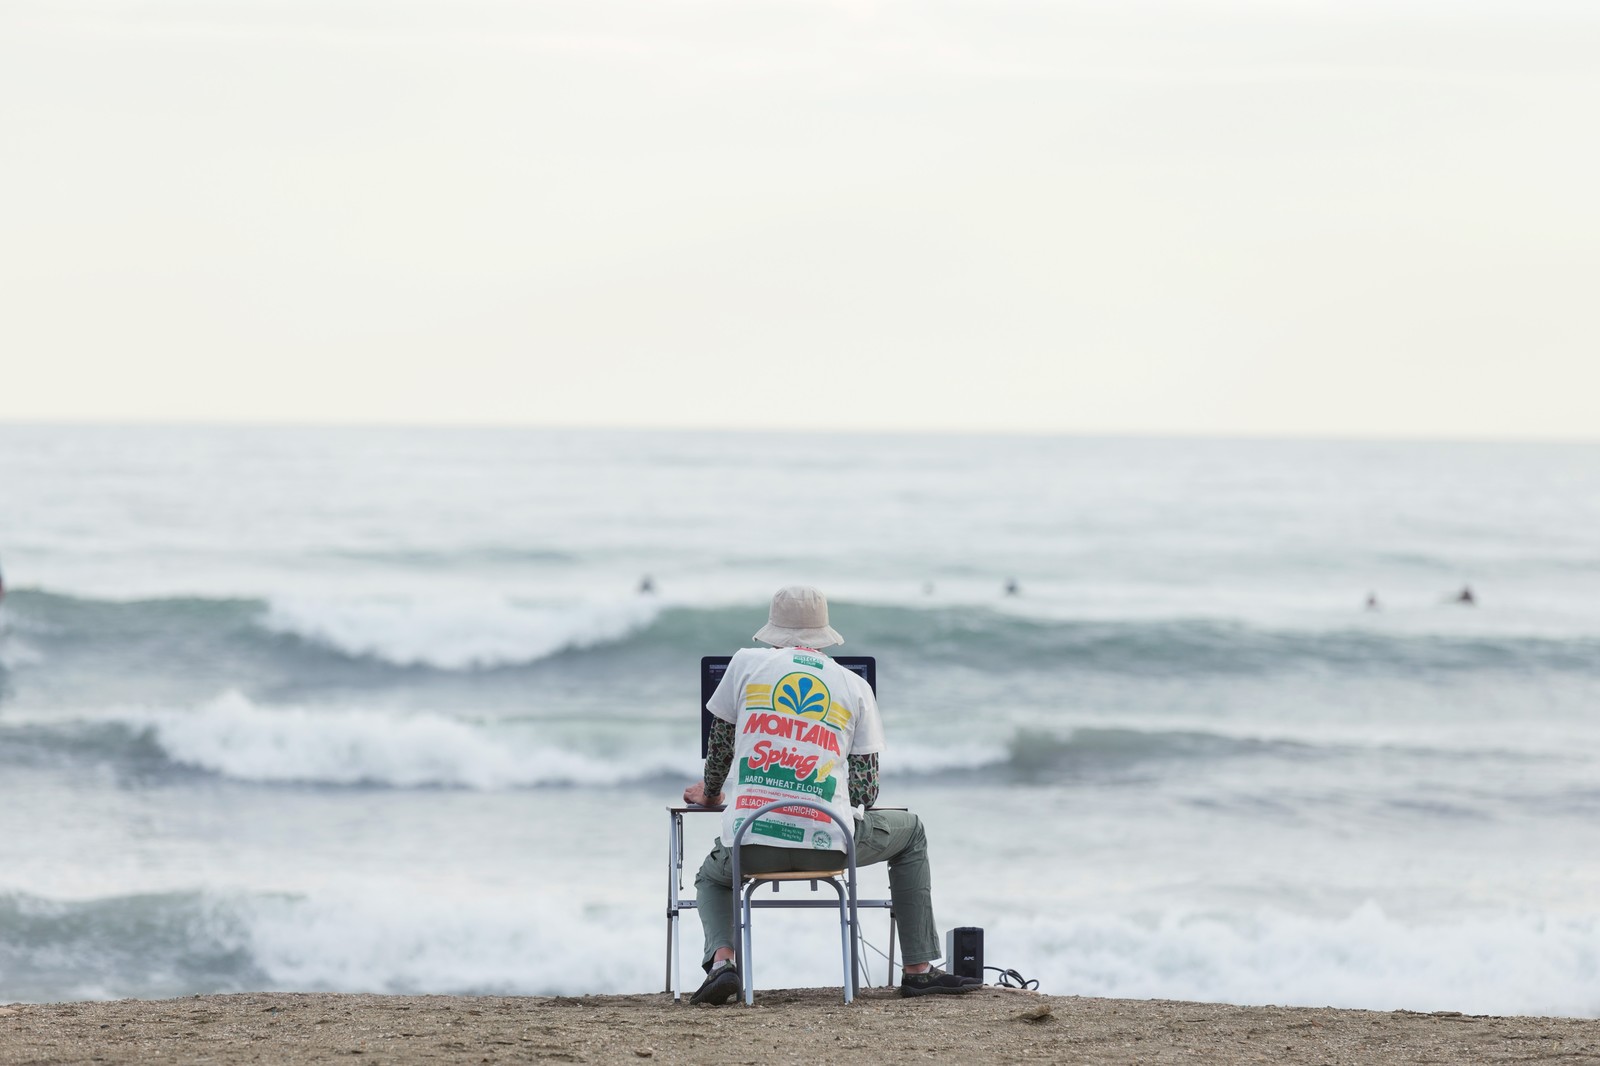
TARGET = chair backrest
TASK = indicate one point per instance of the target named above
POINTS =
(846, 830)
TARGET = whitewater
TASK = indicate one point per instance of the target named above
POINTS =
(386, 710)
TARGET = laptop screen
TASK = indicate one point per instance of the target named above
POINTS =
(712, 667)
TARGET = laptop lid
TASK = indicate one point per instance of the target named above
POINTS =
(712, 667)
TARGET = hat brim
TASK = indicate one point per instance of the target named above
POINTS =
(781, 637)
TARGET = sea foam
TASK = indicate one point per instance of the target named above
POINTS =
(235, 738)
(458, 633)
(392, 938)
(1502, 963)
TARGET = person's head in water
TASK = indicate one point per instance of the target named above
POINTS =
(798, 618)
(1012, 588)
(1465, 595)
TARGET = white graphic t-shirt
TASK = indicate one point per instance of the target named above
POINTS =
(797, 717)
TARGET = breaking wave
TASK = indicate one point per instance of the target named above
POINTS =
(461, 634)
(1505, 963)
(498, 633)
(382, 939)
(388, 940)
(235, 739)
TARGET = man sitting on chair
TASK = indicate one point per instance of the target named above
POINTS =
(794, 723)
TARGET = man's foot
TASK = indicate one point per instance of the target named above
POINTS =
(935, 982)
(721, 985)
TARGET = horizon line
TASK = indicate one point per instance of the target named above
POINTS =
(1315, 436)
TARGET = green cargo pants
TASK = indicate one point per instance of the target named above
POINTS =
(895, 837)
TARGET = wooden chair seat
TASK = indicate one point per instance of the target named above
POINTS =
(797, 875)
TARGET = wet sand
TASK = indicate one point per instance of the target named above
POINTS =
(804, 1026)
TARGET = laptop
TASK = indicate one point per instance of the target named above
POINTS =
(712, 667)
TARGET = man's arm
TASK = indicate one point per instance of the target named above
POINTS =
(865, 745)
(707, 792)
(863, 780)
(719, 756)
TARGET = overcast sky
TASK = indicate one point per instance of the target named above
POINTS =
(1215, 216)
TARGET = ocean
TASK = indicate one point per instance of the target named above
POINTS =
(385, 710)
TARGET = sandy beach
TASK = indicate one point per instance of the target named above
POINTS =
(801, 1026)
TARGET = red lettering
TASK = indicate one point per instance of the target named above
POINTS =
(804, 812)
(750, 803)
(790, 728)
(763, 755)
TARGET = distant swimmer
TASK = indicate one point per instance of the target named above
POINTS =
(647, 585)
(1465, 596)
(927, 588)
(1372, 602)
(1012, 588)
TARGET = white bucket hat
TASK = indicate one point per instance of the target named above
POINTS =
(799, 618)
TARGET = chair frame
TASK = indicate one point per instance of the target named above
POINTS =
(849, 919)
(676, 904)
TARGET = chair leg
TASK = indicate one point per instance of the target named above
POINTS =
(847, 945)
(747, 973)
(849, 932)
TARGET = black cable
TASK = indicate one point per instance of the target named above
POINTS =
(1012, 979)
